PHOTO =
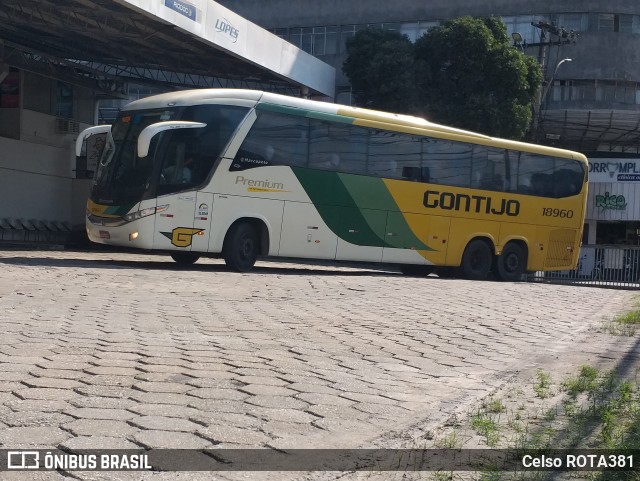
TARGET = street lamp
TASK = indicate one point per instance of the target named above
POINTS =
(548, 86)
(538, 117)
(517, 40)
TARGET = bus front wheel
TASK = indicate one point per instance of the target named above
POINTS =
(185, 258)
(512, 263)
(476, 260)
(241, 246)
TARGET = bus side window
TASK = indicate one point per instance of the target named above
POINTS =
(568, 178)
(390, 153)
(541, 184)
(411, 173)
(274, 139)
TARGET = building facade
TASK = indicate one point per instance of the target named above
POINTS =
(592, 103)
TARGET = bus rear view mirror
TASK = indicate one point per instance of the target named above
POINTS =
(144, 139)
(86, 133)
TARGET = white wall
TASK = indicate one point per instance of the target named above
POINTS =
(37, 176)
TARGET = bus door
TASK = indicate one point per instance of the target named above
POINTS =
(177, 198)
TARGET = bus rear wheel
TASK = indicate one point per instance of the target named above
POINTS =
(512, 263)
(241, 247)
(476, 260)
(185, 258)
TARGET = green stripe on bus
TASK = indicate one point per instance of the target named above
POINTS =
(280, 109)
(355, 208)
(371, 192)
(336, 206)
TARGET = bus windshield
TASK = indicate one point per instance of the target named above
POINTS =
(177, 160)
(121, 176)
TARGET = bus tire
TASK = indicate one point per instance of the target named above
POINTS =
(512, 263)
(185, 258)
(416, 270)
(241, 247)
(476, 260)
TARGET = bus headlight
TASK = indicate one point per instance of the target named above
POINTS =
(145, 213)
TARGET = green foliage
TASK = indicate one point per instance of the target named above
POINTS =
(542, 386)
(487, 427)
(380, 68)
(470, 76)
(587, 380)
(464, 73)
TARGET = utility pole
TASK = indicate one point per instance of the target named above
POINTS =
(562, 37)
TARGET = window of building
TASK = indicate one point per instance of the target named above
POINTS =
(578, 22)
(325, 40)
(424, 27)
(64, 100)
(281, 32)
(415, 30)
(522, 25)
(10, 90)
(606, 22)
(344, 96)
(395, 27)
(629, 23)
(346, 32)
(38, 93)
(317, 41)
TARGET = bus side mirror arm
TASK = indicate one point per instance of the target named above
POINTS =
(88, 132)
(144, 139)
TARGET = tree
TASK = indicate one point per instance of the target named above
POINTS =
(470, 76)
(379, 66)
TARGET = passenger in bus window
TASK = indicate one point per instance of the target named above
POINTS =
(540, 184)
(187, 170)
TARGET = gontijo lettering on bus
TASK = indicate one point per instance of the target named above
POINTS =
(434, 199)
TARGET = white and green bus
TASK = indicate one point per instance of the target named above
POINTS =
(243, 174)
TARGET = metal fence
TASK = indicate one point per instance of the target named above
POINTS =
(599, 265)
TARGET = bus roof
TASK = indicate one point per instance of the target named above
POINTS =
(358, 116)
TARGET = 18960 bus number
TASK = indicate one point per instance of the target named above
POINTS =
(562, 213)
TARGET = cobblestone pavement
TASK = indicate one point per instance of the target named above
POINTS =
(106, 350)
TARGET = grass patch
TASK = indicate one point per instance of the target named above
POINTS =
(593, 409)
(542, 385)
(587, 380)
(487, 427)
(626, 324)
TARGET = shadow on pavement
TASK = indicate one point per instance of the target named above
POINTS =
(161, 264)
